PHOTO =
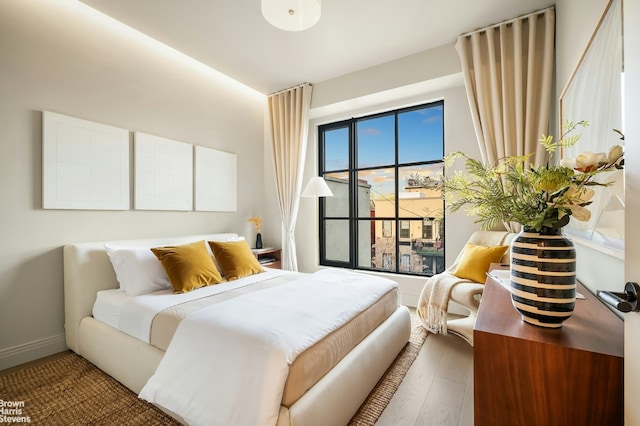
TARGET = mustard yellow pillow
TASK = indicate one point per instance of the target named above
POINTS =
(476, 260)
(235, 259)
(188, 266)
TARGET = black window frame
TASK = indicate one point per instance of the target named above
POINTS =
(352, 171)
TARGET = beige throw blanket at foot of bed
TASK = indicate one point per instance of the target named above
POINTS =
(227, 364)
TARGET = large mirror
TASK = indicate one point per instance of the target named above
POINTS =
(595, 93)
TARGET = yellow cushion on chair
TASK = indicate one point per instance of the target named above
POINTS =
(476, 260)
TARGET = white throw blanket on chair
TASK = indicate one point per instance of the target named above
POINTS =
(436, 293)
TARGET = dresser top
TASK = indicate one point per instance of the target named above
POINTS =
(592, 326)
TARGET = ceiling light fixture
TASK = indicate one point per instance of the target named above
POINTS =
(291, 15)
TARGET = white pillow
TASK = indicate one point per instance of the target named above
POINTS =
(137, 269)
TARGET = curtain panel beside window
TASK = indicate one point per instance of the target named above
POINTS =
(508, 71)
(289, 117)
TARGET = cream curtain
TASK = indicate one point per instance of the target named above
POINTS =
(289, 116)
(508, 71)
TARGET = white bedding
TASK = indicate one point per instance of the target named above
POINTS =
(227, 364)
(134, 314)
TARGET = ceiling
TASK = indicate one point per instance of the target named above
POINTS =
(233, 37)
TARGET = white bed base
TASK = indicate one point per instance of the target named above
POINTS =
(333, 400)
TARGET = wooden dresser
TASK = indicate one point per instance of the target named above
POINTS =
(528, 375)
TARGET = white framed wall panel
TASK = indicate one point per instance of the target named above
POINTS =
(215, 180)
(163, 173)
(85, 165)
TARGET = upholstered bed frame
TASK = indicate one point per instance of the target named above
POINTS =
(333, 400)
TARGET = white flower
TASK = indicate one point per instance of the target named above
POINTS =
(589, 161)
(615, 152)
(575, 198)
(579, 195)
(580, 213)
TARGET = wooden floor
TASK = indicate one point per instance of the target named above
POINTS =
(438, 388)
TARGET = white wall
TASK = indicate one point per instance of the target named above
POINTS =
(575, 22)
(414, 69)
(632, 188)
(428, 76)
(66, 58)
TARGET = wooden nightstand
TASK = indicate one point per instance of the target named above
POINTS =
(268, 257)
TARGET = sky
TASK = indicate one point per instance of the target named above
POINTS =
(420, 135)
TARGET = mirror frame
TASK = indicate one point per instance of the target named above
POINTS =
(586, 232)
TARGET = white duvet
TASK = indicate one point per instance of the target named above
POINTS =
(227, 364)
(134, 315)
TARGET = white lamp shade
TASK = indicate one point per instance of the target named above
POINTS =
(317, 187)
(291, 15)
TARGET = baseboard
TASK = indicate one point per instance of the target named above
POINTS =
(409, 299)
(31, 351)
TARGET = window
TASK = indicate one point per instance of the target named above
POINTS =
(385, 171)
(386, 228)
(405, 263)
(404, 229)
(427, 228)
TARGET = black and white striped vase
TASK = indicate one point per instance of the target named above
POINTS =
(543, 276)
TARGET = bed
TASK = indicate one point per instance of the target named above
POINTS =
(332, 399)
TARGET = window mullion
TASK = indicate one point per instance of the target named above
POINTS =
(397, 195)
(353, 194)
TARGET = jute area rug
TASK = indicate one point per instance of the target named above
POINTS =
(71, 391)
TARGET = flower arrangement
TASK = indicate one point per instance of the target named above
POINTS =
(536, 197)
(257, 222)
